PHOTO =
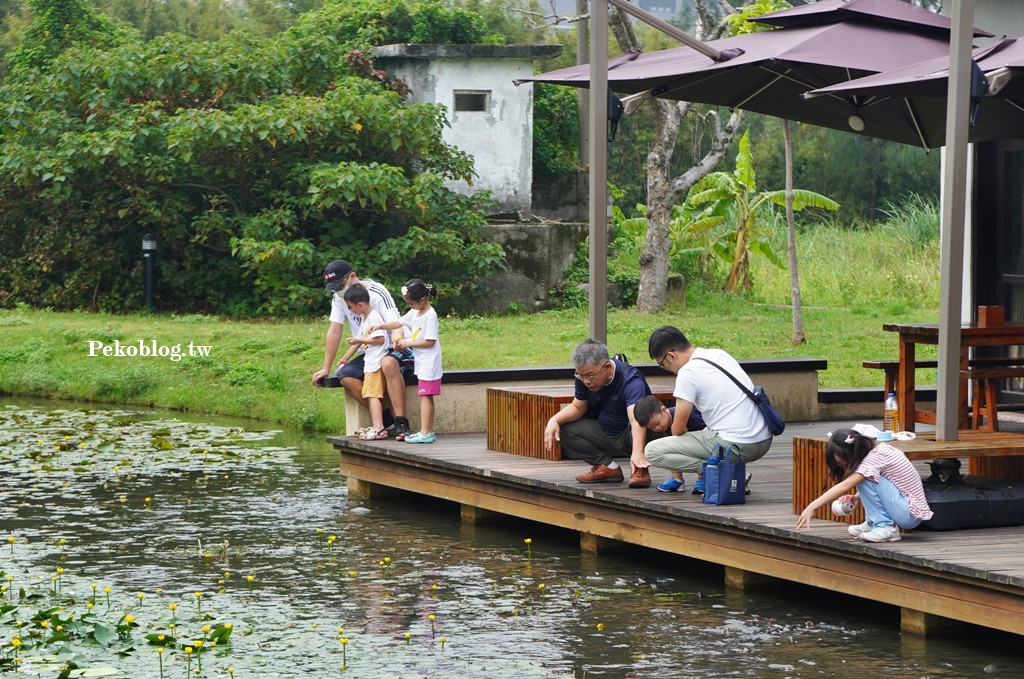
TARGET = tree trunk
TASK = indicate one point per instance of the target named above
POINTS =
(739, 274)
(663, 191)
(794, 274)
(660, 198)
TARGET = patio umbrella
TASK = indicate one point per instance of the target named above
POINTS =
(838, 42)
(917, 94)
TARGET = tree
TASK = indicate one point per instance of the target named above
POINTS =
(664, 190)
(252, 160)
(736, 192)
(58, 26)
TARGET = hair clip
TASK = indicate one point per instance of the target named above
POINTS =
(405, 291)
(849, 439)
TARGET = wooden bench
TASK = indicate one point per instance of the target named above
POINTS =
(985, 382)
(991, 454)
(517, 416)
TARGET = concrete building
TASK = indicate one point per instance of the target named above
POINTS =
(490, 118)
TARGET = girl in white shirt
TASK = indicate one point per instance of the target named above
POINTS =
(423, 339)
(887, 485)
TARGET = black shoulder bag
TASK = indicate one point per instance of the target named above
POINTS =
(776, 425)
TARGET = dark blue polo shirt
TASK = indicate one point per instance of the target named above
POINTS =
(608, 405)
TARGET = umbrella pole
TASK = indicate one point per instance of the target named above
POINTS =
(598, 152)
(954, 189)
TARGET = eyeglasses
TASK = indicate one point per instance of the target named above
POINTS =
(661, 363)
(592, 376)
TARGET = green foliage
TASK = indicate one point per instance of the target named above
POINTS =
(58, 26)
(252, 161)
(623, 264)
(862, 174)
(556, 132)
(735, 193)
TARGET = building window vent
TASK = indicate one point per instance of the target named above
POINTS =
(472, 101)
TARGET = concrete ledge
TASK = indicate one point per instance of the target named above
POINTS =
(865, 403)
(792, 385)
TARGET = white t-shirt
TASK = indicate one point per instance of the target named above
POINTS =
(381, 302)
(427, 359)
(374, 352)
(725, 407)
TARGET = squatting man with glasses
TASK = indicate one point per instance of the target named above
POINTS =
(731, 416)
(599, 424)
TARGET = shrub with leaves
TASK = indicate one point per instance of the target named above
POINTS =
(252, 162)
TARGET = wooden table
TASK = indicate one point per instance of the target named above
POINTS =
(1009, 333)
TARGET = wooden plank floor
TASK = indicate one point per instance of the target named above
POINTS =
(976, 576)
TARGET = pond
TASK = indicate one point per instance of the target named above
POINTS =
(148, 545)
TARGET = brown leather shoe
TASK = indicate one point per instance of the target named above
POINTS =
(601, 473)
(641, 478)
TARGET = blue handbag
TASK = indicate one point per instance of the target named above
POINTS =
(725, 476)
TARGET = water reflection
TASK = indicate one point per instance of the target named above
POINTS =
(165, 507)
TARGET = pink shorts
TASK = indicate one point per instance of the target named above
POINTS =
(429, 388)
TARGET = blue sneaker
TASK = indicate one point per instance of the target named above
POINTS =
(698, 486)
(421, 438)
(671, 485)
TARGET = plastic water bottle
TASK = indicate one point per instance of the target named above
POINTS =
(891, 420)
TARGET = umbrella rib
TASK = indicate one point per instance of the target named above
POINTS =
(917, 127)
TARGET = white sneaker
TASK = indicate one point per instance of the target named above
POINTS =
(856, 531)
(881, 534)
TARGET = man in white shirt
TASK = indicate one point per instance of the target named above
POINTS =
(338, 276)
(732, 417)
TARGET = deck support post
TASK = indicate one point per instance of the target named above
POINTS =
(474, 515)
(596, 543)
(926, 624)
(747, 581)
(357, 488)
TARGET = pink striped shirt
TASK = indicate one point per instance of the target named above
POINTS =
(890, 462)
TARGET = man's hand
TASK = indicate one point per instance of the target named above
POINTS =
(317, 375)
(638, 461)
(552, 433)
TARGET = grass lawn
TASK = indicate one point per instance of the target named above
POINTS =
(263, 369)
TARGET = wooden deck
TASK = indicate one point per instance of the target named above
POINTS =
(974, 576)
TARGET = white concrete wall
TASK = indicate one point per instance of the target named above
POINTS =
(499, 139)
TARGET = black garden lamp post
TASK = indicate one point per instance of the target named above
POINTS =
(148, 264)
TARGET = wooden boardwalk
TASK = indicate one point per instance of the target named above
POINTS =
(974, 576)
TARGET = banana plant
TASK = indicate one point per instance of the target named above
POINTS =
(734, 194)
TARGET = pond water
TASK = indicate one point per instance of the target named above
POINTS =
(297, 579)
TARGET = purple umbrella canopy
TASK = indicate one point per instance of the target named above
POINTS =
(917, 93)
(883, 12)
(818, 45)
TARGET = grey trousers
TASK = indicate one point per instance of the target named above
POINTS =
(584, 439)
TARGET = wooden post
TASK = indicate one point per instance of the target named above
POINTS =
(358, 488)
(926, 624)
(596, 543)
(476, 515)
(747, 581)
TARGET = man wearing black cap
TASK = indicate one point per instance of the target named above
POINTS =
(338, 276)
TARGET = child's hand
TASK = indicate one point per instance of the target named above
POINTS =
(372, 329)
(805, 518)
(355, 340)
(401, 344)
